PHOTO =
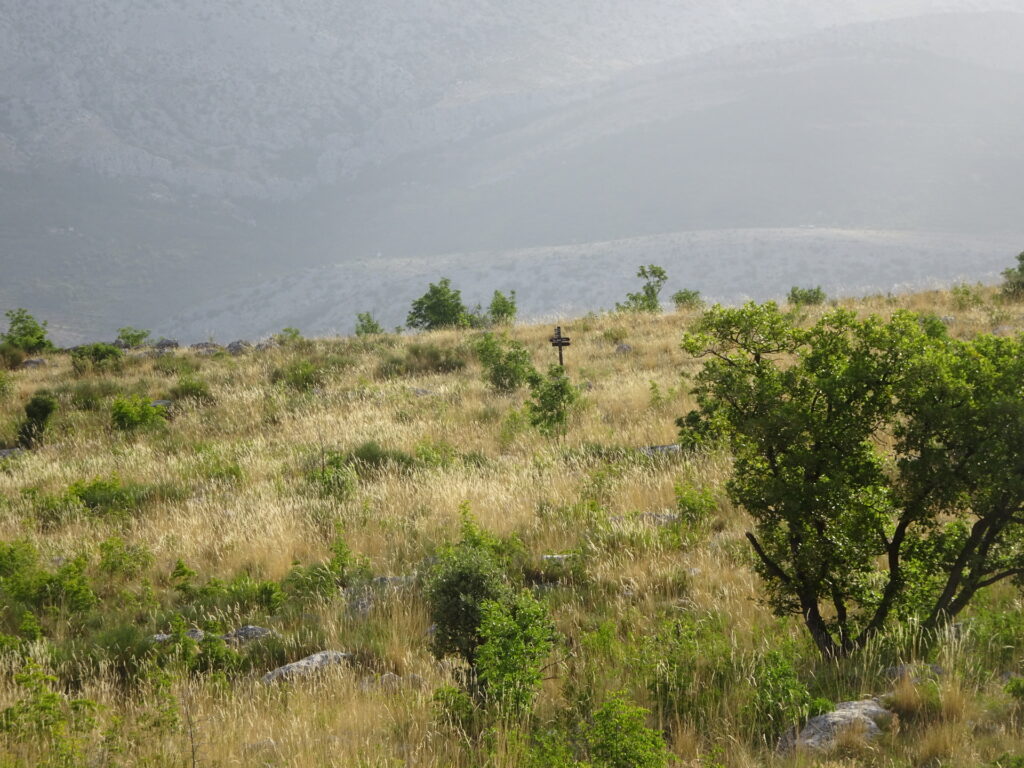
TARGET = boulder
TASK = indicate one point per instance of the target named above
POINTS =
(239, 347)
(162, 403)
(10, 453)
(623, 349)
(165, 344)
(306, 667)
(866, 717)
(661, 450)
(195, 634)
(34, 362)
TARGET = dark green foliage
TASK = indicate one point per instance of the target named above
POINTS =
(502, 309)
(806, 297)
(1013, 281)
(647, 299)
(6, 386)
(507, 363)
(552, 397)
(1016, 689)
(780, 700)
(11, 356)
(38, 412)
(371, 458)
(367, 326)
(289, 336)
(173, 365)
(132, 337)
(325, 580)
(97, 353)
(132, 412)
(687, 299)
(440, 307)
(466, 576)
(300, 375)
(122, 560)
(110, 497)
(26, 333)
(333, 475)
(90, 395)
(860, 441)
(618, 737)
(419, 359)
(194, 389)
(516, 637)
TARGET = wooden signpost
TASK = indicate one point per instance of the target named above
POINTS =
(561, 342)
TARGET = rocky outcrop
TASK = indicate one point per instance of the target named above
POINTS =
(867, 718)
(307, 667)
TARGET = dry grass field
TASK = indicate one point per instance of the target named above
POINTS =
(213, 518)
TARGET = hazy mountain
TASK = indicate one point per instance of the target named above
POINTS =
(159, 154)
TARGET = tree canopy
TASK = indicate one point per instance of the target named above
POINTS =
(882, 461)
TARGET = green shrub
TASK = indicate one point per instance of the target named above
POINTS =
(131, 412)
(109, 496)
(1016, 689)
(11, 356)
(1013, 281)
(967, 296)
(190, 388)
(551, 399)
(38, 412)
(619, 738)
(502, 309)
(371, 457)
(615, 335)
(367, 326)
(516, 637)
(333, 475)
(806, 297)
(172, 365)
(687, 299)
(440, 307)
(132, 337)
(507, 364)
(465, 577)
(6, 386)
(26, 333)
(325, 580)
(421, 359)
(300, 375)
(647, 299)
(780, 700)
(121, 560)
(288, 336)
(89, 395)
(97, 353)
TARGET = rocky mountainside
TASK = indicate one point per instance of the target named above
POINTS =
(154, 155)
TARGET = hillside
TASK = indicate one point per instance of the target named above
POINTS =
(310, 489)
(156, 157)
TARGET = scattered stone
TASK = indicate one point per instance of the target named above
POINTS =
(264, 745)
(1002, 330)
(265, 345)
(820, 734)
(162, 403)
(248, 633)
(418, 392)
(390, 683)
(10, 453)
(623, 349)
(239, 347)
(392, 582)
(660, 518)
(165, 344)
(306, 667)
(201, 345)
(661, 450)
(948, 319)
(34, 362)
(560, 559)
(416, 682)
(195, 634)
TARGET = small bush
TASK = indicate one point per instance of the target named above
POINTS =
(121, 560)
(190, 388)
(371, 457)
(90, 395)
(172, 365)
(26, 333)
(333, 476)
(325, 580)
(420, 359)
(551, 399)
(967, 296)
(1013, 281)
(300, 375)
(6, 386)
(615, 335)
(132, 412)
(507, 364)
(647, 299)
(109, 497)
(806, 297)
(103, 357)
(780, 700)
(502, 310)
(132, 338)
(687, 299)
(440, 307)
(618, 737)
(38, 412)
(367, 326)
(11, 356)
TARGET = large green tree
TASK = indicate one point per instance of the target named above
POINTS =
(440, 307)
(882, 462)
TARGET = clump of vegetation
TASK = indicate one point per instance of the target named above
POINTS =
(132, 412)
(25, 333)
(38, 412)
(687, 299)
(507, 363)
(333, 475)
(648, 298)
(99, 356)
(967, 296)
(194, 389)
(6, 386)
(132, 338)
(175, 365)
(502, 309)
(440, 307)
(300, 375)
(367, 326)
(806, 297)
(420, 359)
(1013, 281)
(552, 398)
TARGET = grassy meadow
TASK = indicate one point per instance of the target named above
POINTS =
(239, 508)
